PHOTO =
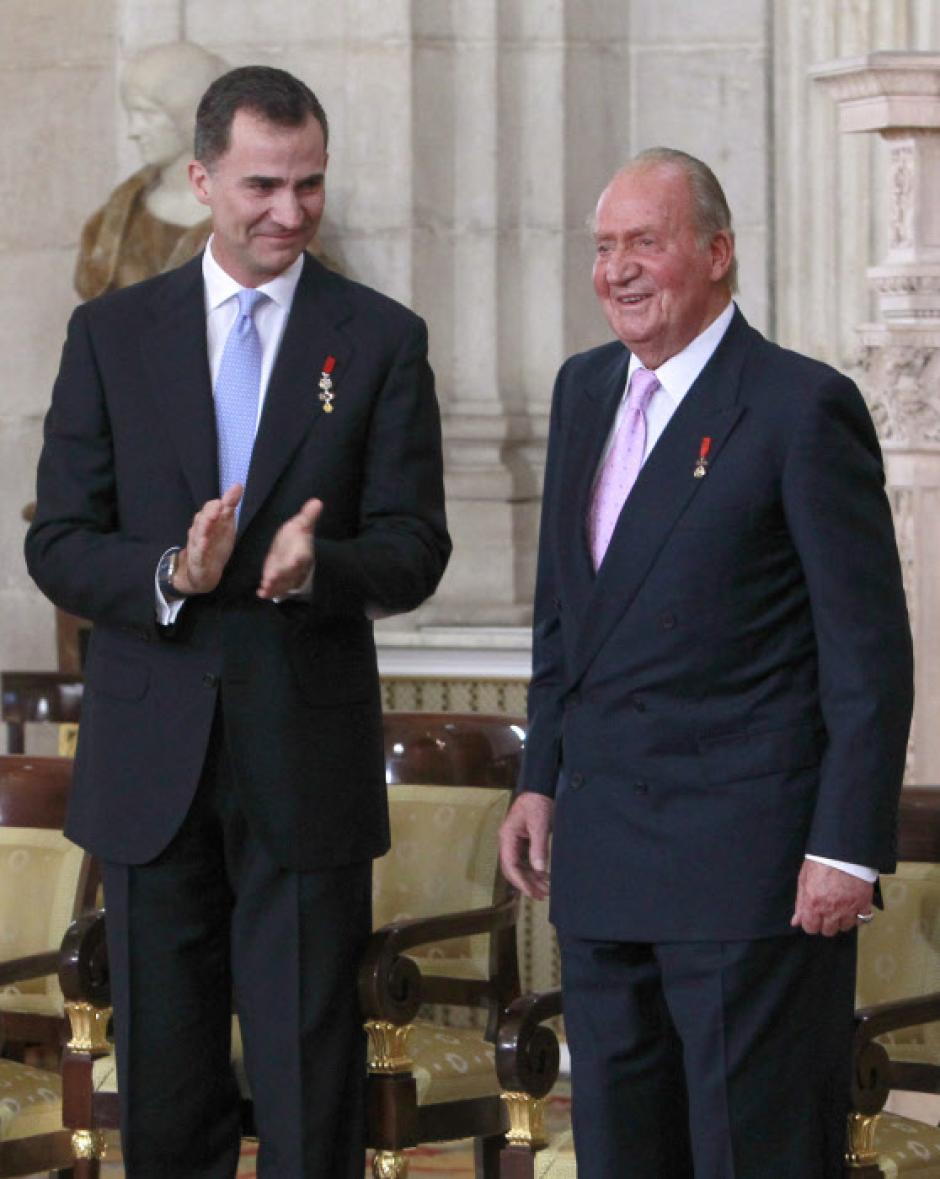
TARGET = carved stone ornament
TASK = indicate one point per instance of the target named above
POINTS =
(902, 386)
(902, 196)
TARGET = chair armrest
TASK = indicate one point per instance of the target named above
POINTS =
(30, 966)
(874, 1021)
(83, 961)
(526, 1050)
(390, 984)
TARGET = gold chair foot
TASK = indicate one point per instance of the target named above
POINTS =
(88, 1144)
(390, 1164)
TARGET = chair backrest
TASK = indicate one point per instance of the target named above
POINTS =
(450, 777)
(45, 881)
(899, 952)
(45, 696)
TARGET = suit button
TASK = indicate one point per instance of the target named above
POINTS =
(577, 781)
(640, 787)
(210, 680)
(668, 620)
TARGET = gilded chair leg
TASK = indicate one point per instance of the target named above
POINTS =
(861, 1157)
(88, 1147)
(390, 1164)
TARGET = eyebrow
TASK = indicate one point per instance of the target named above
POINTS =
(258, 178)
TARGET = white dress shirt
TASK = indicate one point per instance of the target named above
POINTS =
(676, 376)
(270, 316)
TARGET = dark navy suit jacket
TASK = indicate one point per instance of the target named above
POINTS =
(130, 455)
(733, 688)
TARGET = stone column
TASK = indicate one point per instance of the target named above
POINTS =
(897, 95)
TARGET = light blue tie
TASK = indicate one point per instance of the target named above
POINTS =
(236, 393)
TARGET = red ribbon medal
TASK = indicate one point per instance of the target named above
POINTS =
(701, 466)
(326, 384)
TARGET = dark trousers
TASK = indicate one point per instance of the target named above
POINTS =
(718, 1060)
(214, 916)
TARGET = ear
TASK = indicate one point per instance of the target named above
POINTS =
(200, 181)
(722, 254)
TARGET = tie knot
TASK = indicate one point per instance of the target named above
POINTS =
(248, 300)
(643, 384)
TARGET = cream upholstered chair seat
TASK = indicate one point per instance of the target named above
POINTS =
(30, 1101)
(40, 872)
(906, 1147)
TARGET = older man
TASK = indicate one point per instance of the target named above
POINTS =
(718, 714)
(242, 465)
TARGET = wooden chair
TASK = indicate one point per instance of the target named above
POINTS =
(44, 883)
(53, 697)
(897, 1039)
(445, 937)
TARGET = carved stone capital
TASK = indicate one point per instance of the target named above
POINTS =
(388, 1046)
(902, 386)
(89, 1028)
(526, 1121)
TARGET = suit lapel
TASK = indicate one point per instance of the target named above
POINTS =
(292, 406)
(664, 489)
(176, 361)
(589, 431)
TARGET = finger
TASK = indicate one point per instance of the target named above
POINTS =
(234, 494)
(309, 514)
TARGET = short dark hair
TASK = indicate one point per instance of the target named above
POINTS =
(271, 93)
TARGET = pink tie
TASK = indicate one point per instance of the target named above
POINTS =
(622, 465)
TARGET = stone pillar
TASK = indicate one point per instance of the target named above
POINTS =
(898, 96)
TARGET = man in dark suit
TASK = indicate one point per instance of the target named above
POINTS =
(719, 710)
(230, 770)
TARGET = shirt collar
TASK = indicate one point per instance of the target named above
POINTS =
(220, 286)
(678, 374)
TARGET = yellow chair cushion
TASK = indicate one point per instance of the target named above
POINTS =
(451, 1064)
(442, 860)
(898, 953)
(30, 1101)
(906, 1147)
(39, 872)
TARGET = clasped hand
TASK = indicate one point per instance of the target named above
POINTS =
(211, 539)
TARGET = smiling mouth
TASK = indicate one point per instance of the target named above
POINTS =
(631, 300)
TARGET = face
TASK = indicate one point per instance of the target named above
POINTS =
(266, 195)
(658, 285)
(154, 131)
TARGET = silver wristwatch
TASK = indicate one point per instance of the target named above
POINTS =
(165, 572)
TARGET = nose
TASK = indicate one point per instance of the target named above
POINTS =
(622, 266)
(288, 210)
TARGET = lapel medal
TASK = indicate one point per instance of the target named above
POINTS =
(326, 384)
(701, 466)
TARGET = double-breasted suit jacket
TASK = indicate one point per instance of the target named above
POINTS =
(129, 457)
(732, 689)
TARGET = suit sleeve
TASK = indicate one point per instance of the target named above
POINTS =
(401, 548)
(840, 521)
(76, 550)
(543, 752)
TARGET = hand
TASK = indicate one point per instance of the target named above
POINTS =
(523, 844)
(209, 544)
(290, 557)
(829, 900)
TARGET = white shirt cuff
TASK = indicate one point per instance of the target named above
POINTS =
(869, 875)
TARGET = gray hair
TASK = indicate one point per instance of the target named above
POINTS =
(712, 213)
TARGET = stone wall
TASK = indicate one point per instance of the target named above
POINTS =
(469, 141)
